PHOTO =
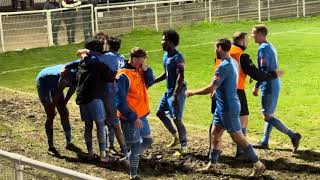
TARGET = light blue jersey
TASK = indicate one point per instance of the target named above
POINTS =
(226, 77)
(267, 62)
(227, 113)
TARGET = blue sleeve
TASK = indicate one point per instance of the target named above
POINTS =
(148, 77)
(262, 63)
(263, 59)
(122, 106)
(219, 75)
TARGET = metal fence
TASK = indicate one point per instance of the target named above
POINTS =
(17, 167)
(30, 29)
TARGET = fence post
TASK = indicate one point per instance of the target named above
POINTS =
(297, 8)
(238, 4)
(259, 10)
(269, 10)
(18, 170)
(49, 28)
(1, 35)
(304, 7)
(108, 5)
(156, 16)
(92, 20)
(170, 13)
(96, 19)
(210, 13)
(132, 13)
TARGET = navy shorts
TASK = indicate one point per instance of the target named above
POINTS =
(167, 106)
(133, 134)
(93, 111)
(45, 88)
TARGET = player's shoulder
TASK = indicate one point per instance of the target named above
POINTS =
(265, 45)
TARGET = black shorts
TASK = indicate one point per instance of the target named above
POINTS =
(243, 102)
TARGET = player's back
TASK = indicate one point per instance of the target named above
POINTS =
(109, 59)
(226, 94)
(50, 71)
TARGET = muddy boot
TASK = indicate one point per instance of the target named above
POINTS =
(258, 169)
(295, 142)
(135, 178)
(210, 168)
(104, 159)
(260, 145)
(53, 152)
(174, 142)
(182, 151)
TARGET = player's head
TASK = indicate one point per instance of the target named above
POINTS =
(240, 38)
(94, 45)
(170, 39)
(222, 48)
(259, 33)
(114, 44)
(101, 36)
(138, 57)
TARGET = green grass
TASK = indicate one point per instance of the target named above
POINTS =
(297, 53)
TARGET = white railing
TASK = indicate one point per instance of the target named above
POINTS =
(16, 163)
(42, 28)
(118, 19)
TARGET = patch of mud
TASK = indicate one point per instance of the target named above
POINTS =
(157, 163)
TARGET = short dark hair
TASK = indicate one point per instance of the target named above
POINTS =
(224, 43)
(172, 36)
(137, 52)
(238, 36)
(261, 28)
(94, 44)
(101, 36)
(114, 43)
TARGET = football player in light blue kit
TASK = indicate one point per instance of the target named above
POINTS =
(50, 83)
(267, 62)
(113, 60)
(174, 97)
(227, 113)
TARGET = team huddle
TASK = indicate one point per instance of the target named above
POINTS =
(112, 92)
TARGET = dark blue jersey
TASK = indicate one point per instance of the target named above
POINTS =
(226, 78)
(170, 64)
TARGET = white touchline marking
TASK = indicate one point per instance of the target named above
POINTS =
(23, 69)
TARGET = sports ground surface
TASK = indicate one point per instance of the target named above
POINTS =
(297, 42)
